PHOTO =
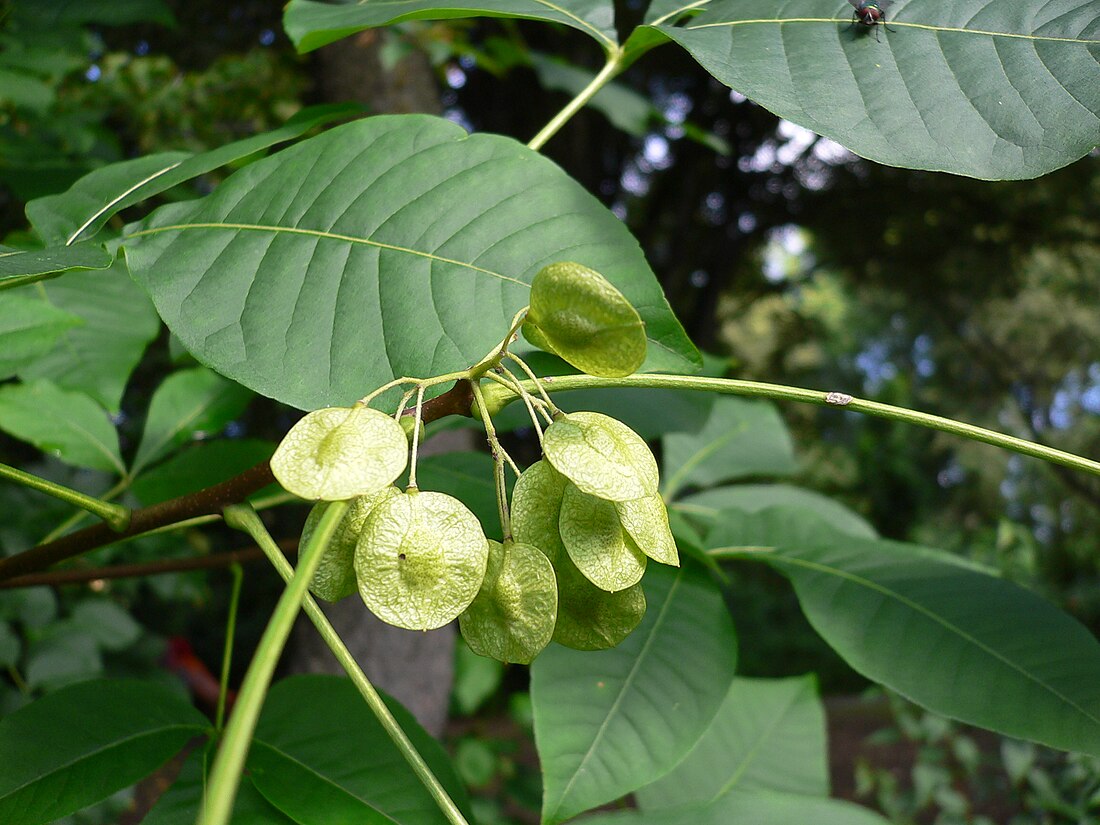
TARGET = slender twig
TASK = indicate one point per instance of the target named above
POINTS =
(230, 635)
(256, 529)
(729, 386)
(499, 455)
(115, 515)
(613, 66)
(229, 763)
(418, 417)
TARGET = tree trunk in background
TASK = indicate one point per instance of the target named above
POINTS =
(415, 668)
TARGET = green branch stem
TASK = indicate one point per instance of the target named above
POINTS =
(613, 66)
(498, 396)
(226, 774)
(251, 523)
(117, 516)
(230, 634)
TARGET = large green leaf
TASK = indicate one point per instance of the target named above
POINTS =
(336, 764)
(68, 425)
(706, 505)
(987, 88)
(22, 266)
(740, 438)
(97, 356)
(752, 808)
(95, 198)
(28, 328)
(957, 641)
(391, 246)
(312, 24)
(611, 721)
(187, 402)
(81, 744)
(769, 734)
(201, 465)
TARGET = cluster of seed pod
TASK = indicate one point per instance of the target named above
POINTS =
(584, 520)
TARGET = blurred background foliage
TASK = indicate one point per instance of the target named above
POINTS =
(779, 250)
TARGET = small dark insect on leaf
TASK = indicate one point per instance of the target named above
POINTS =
(870, 13)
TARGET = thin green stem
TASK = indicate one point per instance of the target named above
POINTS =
(613, 66)
(75, 519)
(117, 516)
(416, 435)
(530, 373)
(502, 396)
(226, 774)
(499, 455)
(230, 634)
(255, 528)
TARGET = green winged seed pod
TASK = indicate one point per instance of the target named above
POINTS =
(338, 453)
(596, 542)
(602, 456)
(512, 618)
(590, 618)
(578, 315)
(335, 576)
(420, 559)
(646, 521)
(536, 505)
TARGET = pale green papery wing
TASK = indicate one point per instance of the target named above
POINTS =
(590, 618)
(577, 314)
(335, 576)
(512, 618)
(536, 504)
(602, 456)
(420, 560)
(339, 452)
(596, 542)
(646, 521)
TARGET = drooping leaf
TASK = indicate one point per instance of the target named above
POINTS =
(97, 356)
(757, 807)
(112, 627)
(187, 402)
(769, 734)
(311, 24)
(304, 276)
(200, 466)
(68, 425)
(64, 655)
(336, 763)
(707, 504)
(82, 743)
(609, 722)
(28, 328)
(89, 203)
(987, 88)
(740, 438)
(934, 628)
(22, 266)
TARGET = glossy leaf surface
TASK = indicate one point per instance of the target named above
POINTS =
(19, 266)
(935, 629)
(107, 733)
(609, 722)
(333, 266)
(987, 88)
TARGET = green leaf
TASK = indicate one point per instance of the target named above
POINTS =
(927, 625)
(188, 402)
(476, 679)
(364, 254)
(756, 807)
(65, 655)
(752, 498)
(95, 198)
(181, 803)
(21, 266)
(200, 466)
(611, 721)
(311, 24)
(28, 328)
(81, 744)
(740, 438)
(10, 646)
(98, 356)
(68, 425)
(985, 88)
(107, 623)
(336, 764)
(769, 734)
